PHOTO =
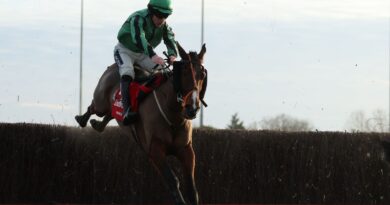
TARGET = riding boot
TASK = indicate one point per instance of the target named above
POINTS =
(128, 115)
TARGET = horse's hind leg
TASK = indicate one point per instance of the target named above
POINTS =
(83, 119)
(187, 158)
(100, 125)
(158, 157)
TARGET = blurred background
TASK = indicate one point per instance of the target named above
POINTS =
(272, 64)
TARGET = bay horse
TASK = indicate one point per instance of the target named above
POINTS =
(164, 124)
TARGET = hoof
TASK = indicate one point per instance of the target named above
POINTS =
(96, 125)
(79, 119)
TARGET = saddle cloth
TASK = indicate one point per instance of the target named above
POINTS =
(138, 91)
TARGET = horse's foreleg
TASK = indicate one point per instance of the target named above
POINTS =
(100, 125)
(158, 158)
(83, 119)
(187, 158)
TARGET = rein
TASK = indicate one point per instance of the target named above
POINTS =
(168, 72)
(163, 113)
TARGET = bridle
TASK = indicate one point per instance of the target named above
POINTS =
(193, 92)
(183, 97)
(193, 79)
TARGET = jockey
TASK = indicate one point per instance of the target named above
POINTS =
(140, 33)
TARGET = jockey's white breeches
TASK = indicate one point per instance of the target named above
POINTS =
(126, 58)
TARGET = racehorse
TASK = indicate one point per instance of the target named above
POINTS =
(164, 123)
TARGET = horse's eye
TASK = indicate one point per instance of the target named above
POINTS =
(204, 71)
(202, 74)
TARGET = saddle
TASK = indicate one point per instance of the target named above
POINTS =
(143, 84)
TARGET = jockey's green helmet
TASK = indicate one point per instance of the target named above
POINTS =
(161, 8)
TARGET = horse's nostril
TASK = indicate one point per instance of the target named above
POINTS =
(190, 112)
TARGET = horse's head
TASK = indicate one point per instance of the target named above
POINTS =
(190, 80)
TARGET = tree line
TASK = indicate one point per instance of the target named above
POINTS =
(358, 121)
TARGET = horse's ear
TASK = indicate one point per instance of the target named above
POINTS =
(202, 52)
(183, 54)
